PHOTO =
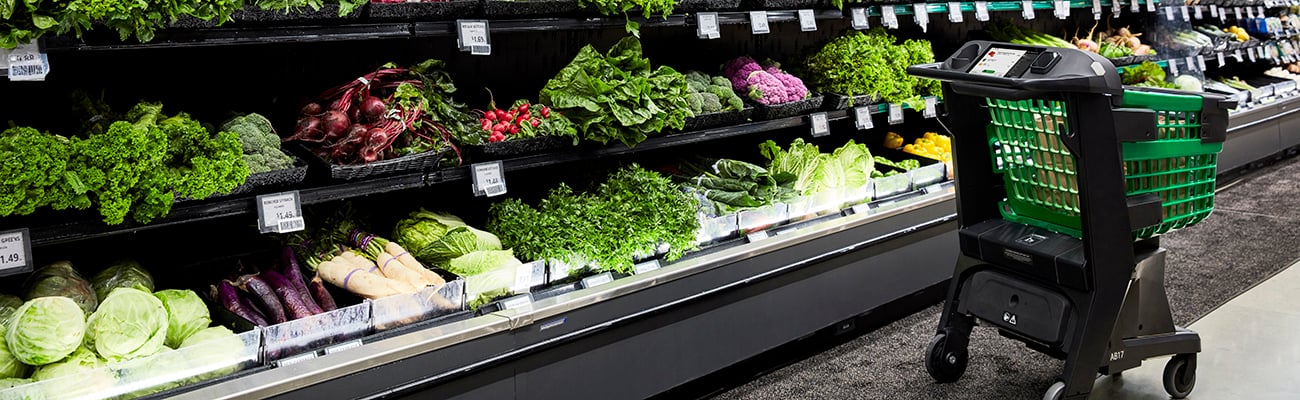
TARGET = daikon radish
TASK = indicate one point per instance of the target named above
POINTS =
(356, 280)
(394, 269)
(409, 261)
(370, 266)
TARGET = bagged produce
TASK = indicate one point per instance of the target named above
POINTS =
(8, 304)
(124, 273)
(60, 279)
(186, 314)
(45, 330)
(131, 323)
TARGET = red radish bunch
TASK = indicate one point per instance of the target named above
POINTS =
(367, 119)
(523, 119)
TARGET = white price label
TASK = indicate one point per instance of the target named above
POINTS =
(756, 236)
(859, 17)
(523, 278)
(348, 345)
(1061, 9)
(807, 21)
(517, 302)
(1173, 67)
(287, 361)
(1250, 53)
(645, 267)
(488, 178)
(1237, 55)
(472, 36)
(895, 114)
(1027, 9)
(1116, 6)
(821, 126)
(1151, 5)
(931, 107)
(1214, 10)
(707, 25)
(954, 12)
(15, 252)
(1222, 61)
(1169, 13)
(1191, 64)
(27, 63)
(981, 11)
(888, 17)
(758, 22)
(1261, 12)
(1187, 13)
(921, 15)
(1200, 62)
(1096, 6)
(1198, 13)
(862, 117)
(1223, 15)
(280, 212)
(1237, 11)
(1134, 6)
(597, 280)
(1250, 13)
(863, 209)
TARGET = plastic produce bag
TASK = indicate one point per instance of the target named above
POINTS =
(124, 273)
(60, 279)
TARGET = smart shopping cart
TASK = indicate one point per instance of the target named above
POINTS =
(1060, 201)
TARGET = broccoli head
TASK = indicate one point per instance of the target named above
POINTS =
(696, 86)
(696, 103)
(721, 81)
(696, 77)
(730, 101)
(710, 103)
(260, 143)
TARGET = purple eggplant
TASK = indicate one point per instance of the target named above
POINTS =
(294, 306)
(321, 294)
(264, 296)
(228, 296)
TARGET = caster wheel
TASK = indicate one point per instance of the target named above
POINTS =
(1180, 375)
(944, 366)
(1055, 392)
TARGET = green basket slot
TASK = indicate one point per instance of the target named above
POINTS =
(1039, 172)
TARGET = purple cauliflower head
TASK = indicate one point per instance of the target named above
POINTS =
(794, 88)
(766, 88)
(738, 70)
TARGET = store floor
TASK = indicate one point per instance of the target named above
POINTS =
(1251, 348)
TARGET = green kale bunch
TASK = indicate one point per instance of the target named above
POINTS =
(871, 64)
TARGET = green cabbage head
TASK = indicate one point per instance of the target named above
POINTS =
(129, 324)
(81, 374)
(45, 330)
(186, 314)
(10, 367)
(123, 273)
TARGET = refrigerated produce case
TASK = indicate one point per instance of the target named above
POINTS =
(761, 277)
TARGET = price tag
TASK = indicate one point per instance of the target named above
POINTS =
(1096, 6)
(888, 17)
(1187, 13)
(1134, 6)
(472, 36)
(921, 15)
(489, 179)
(707, 25)
(807, 21)
(1237, 55)
(820, 125)
(758, 22)
(523, 278)
(1250, 53)
(1027, 9)
(756, 236)
(954, 12)
(27, 63)
(1169, 13)
(287, 361)
(645, 267)
(1151, 5)
(1223, 15)
(517, 302)
(1191, 64)
(1250, 13)
(859, 17)
(1261, 12)
(1237, 11)
(597, 280)
(931, 107)
(280, 212)
(1222, 61)
(15, 252)
(1116, 6)
(1214, 10)
(348, 345)
(981, 11)
(862, 117)
(1061, 9)
(895, 114)
(1173, 67)
(1198, 13)
(1200, 62)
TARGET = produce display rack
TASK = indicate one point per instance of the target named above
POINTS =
(868, 263)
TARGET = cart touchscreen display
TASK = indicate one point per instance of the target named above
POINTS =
(999, 62)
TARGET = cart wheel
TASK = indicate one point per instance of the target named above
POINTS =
(1055, 392)
(1180, 375)
(944, 366)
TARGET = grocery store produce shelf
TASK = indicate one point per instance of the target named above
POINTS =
(863, 261)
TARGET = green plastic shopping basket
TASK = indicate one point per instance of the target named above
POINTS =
(1039, 171)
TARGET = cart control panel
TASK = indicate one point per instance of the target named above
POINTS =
(1008, 70)
(1012, 63)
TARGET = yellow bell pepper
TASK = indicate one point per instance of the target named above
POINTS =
(893, 140)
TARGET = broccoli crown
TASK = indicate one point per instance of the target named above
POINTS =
(765, 88)
(695, 101)
(696, 86)
(697, 77)
(260, 143)
(727, 97)
(721, 81)
(710, 103)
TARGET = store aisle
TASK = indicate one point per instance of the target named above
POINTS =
(1252, 235)
(1251, 349)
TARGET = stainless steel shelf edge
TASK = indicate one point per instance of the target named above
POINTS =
(287, 378)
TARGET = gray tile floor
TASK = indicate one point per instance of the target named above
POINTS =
(1250, 350)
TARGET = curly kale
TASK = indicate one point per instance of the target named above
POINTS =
(33, 166)
(200, 164)
(870, 64)
(113, 164)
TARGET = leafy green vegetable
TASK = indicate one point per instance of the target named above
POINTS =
(617, 96)
(261, 145)
(429, 237)
(80, 374)
(186, 314)
(733, 185)
(140, 18)
(81, 360)
(130, 324)
(215, 349)
(849, 166)
(45, 330)
(6, 383)
(905, 165)
(801, 160)
(481, 261)
(1146, 74)
(633, 211)
(60, 279)
(871, 64)
(457, 242)
(346, 7)
(10, 366)
(123, 273)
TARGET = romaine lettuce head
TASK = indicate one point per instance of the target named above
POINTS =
(45, 330)
(10, 367)
(186, 314)
(60, 279)
(124, 273)
(130, 323)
